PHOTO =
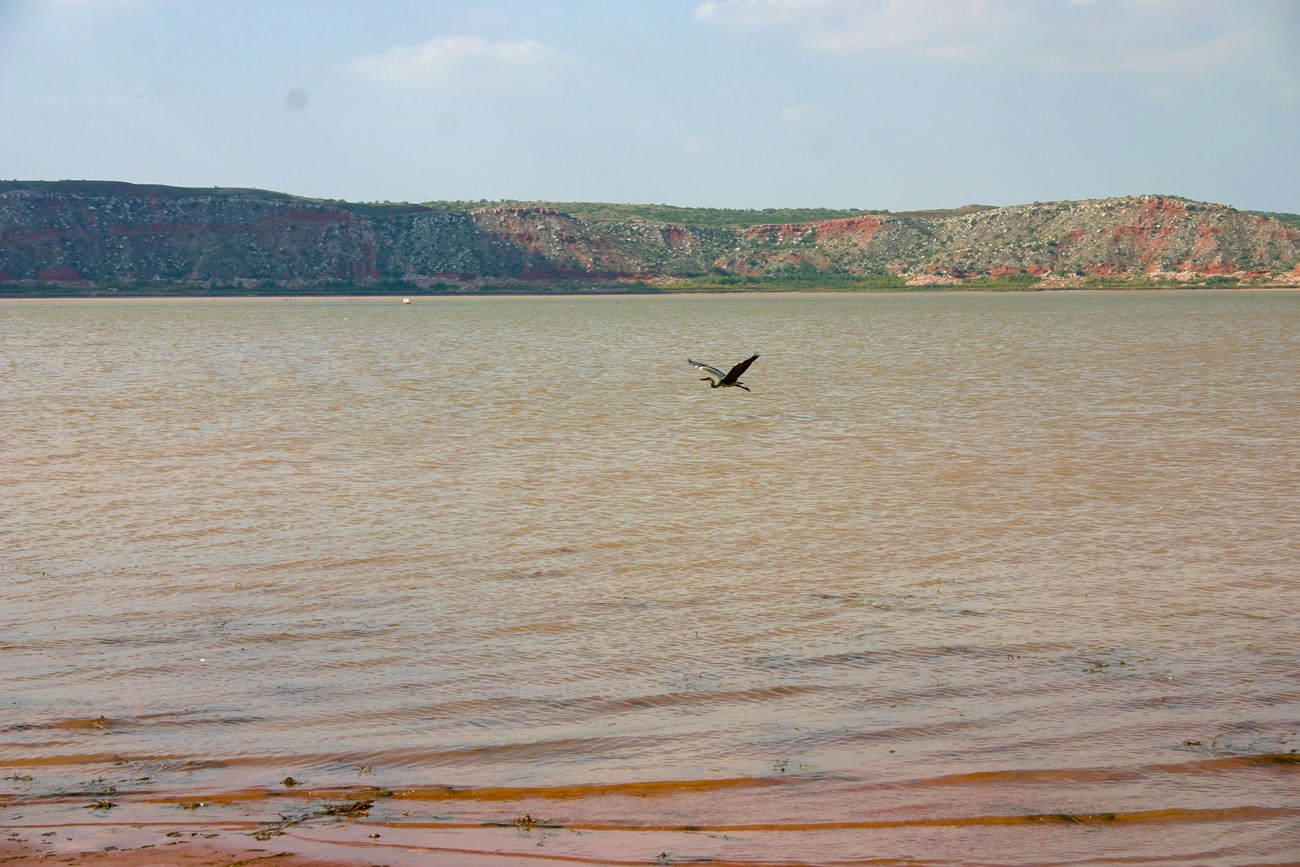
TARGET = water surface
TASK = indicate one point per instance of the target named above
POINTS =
(967, 578)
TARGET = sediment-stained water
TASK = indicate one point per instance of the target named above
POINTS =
(966, 578)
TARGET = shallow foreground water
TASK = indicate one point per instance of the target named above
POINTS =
(967, 578)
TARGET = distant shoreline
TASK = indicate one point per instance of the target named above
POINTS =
(867, 286)
(569, 296)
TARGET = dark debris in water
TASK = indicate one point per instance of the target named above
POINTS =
(1249, 744)
(1074, 818)
(673, 858)
(347, 810)
(525, 822)
(351, 809)
(96, 787)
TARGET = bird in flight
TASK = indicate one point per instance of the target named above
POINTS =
(718, 379)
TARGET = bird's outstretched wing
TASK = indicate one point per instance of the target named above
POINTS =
(713, 371)
(740, 368)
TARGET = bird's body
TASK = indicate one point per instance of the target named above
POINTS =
(718, 379)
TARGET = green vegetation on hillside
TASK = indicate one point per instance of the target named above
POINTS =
(703, 218)
(1281, 217)
(603, 212)
(159, 191)
(122, 188)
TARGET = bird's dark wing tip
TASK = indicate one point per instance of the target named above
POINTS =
(740, 368)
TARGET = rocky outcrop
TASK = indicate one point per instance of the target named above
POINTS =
(156, 234)
(1136, 236)
(101, 232)
(1146, 234)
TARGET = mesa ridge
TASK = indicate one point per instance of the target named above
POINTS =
(88, 237)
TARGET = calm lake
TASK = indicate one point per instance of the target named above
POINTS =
(967, 578)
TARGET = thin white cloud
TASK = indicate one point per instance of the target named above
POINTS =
(695, 145)
(801, 114)
(89, 5)
(469, 62)
(1154, 36)
(1230, 48)
(759, 12)
(930, 28)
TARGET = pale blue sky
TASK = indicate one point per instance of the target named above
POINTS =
(731, 103)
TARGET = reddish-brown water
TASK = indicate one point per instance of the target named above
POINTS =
(966, 579)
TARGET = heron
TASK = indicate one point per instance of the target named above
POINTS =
(718, 379)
